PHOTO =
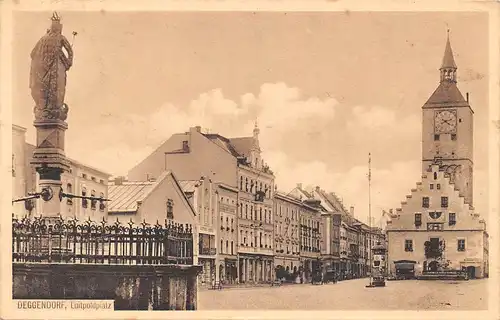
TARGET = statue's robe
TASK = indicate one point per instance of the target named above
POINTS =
(48, 70)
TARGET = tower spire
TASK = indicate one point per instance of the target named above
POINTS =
(448, 68)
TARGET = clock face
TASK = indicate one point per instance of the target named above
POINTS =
(445, 121)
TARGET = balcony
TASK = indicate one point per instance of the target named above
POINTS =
(208, 251)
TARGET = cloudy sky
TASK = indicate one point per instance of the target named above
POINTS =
(326, 88)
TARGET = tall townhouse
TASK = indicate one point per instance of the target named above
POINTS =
(235, 165)
(287, 233)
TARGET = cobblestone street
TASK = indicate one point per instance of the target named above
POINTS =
(353, 295)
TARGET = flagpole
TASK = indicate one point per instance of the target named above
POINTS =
(370, 212)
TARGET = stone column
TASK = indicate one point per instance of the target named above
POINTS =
(50, 162)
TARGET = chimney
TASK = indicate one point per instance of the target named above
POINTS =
(351, 211)
(317, 188)
(195, 129)
(299, 186)
(119, 180)
(467, 95)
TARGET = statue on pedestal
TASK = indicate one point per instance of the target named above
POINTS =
(51, 58)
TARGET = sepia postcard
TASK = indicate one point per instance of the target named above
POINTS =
(250, 159)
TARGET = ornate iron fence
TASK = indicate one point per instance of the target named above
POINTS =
(35, 240)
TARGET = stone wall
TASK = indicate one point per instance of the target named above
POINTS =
(132, 287)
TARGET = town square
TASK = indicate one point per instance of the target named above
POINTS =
(252, 160)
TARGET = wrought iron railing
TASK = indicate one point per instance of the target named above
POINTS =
(71, 241)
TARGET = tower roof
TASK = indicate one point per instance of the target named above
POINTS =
(447, 93)
(448, 60)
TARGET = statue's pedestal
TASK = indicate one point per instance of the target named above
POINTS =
(51, 208)
(50, 162)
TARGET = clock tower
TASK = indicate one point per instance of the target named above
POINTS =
(447, 129)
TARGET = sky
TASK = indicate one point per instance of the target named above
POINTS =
(326, 88)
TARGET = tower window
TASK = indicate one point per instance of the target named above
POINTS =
(461, 245)
(435, 176)
(431, 186)
(436, 137)
(418, 219)
(454, 136)
(425, 202)
(444, 202)
(408, 245)
(438, 186)
(452, 219)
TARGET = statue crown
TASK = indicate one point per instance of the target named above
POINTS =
(55, 17)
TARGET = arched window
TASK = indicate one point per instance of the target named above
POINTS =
(102, 205)
(84, 194)
(241, 183)
(246, 184)
(93, 202)
(261, 214)
(435, 175)
(69, 189)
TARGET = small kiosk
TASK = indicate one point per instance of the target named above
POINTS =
(378, 265)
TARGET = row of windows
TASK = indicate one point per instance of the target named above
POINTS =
(84, 176)
(293, 234)
(409, 245)
(426, 202)
(228, 226)
(293, 249)
(226, 249)
(250, 212)
(262, 240)
(452, 217)
(227, 200)
(287, 211)
(254, 186)
(438, 186)
(437, 137)
(93, 202)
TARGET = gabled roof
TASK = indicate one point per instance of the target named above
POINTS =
(188, 186)
(447, 92)
(222, 142)
(242, 145)
(124, 197)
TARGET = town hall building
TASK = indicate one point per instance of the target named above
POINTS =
(436, 227)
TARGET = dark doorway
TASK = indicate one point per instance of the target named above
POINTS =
(433, 266)
(471, 272)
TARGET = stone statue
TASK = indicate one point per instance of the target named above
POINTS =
(49, 64)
